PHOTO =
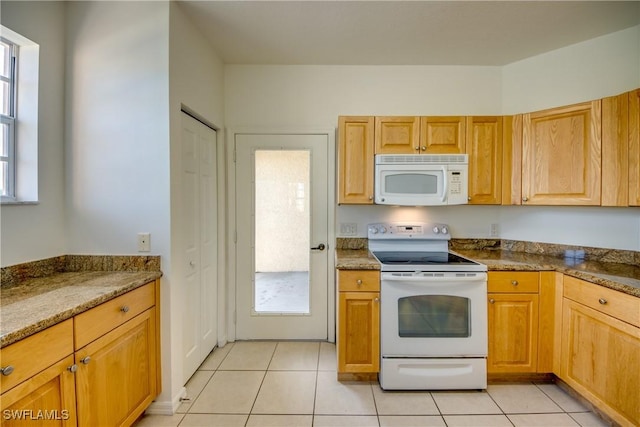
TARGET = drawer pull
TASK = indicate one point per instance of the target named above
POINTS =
(492, 300)
(514, 282)
(359, 282)
(602, 301)
(7, 370)
(124, 309)
(85, 360)
(73, 368)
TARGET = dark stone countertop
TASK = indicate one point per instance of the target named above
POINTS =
(32, 298)
(621, 277)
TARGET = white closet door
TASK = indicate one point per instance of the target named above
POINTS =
(198, 243)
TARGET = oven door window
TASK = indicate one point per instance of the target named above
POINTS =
(429, 316)
(412, 183)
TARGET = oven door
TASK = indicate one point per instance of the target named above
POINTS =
(411, 185)
(433, 314)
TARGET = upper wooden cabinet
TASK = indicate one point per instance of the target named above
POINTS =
(442, 135)
(634, 147)
(615, 151)
(420, 135)
(561, 155)
(355, 159)
(484, 147)
(397, 135)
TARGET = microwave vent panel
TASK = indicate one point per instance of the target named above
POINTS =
(423, 159)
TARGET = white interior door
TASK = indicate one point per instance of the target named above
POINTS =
(199, 243)
(282, 232)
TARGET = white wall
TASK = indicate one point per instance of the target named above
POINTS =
(314, 96)
(593, 69)
(117, 153)
(196, 83)
(31, 232)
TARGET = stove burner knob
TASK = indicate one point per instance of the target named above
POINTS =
(445, 230)
(436, 230)
(373, 230)
(383, 230)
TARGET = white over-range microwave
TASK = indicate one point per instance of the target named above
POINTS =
(421, 179)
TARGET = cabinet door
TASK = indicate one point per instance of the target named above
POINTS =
(601, 359)
(561, 154)
(46, 399)
(358, 332)
(355, 160)
(118, 382)
(615, 151)
(634, 148)
(484, 146)
(442, 135)
(397, 135)
(513, 333)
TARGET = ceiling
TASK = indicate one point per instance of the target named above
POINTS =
(367, 32)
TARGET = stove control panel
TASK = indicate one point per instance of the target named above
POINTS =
(406, 230)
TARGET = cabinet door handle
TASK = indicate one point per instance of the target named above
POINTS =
(6, 370)
(85, 360)
(492, 300)
(370, 197)
(525, 199)
(514, 282)
(124, 309)
(423, 148)
(73, 368)
(417, 148)
(376, 299)
(602, 301)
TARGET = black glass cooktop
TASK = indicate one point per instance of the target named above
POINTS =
(421, 258)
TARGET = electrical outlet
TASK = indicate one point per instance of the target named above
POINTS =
(348, 229)
(144, 242)
(493, 230)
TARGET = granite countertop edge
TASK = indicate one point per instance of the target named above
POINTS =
(348, 259)
(109, 285)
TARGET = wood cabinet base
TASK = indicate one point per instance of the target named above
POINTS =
(354, 376)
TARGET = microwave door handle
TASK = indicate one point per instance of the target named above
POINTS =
(446, 180)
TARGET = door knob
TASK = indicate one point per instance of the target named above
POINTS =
(320, 247)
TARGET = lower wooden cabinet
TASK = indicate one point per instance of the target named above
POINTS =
(513, 333)
(358, 343)
(513, 322)
(46, 399)
(116, 377)
(600, 355)
(110, 379)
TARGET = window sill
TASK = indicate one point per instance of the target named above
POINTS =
(19, 202)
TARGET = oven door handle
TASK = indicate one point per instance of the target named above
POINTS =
(476, 277)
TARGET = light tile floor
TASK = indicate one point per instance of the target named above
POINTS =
(282, 384)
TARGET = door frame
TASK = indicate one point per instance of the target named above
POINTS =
(230, 136)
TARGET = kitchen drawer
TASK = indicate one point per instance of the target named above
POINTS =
(96, 322)
(36, 353)
(608, 301)
(359, 280)
(513, 281)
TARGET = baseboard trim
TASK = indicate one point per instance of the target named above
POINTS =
(167, 407)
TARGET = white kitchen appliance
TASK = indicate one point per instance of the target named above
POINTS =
(421, 179)
(433, 313)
